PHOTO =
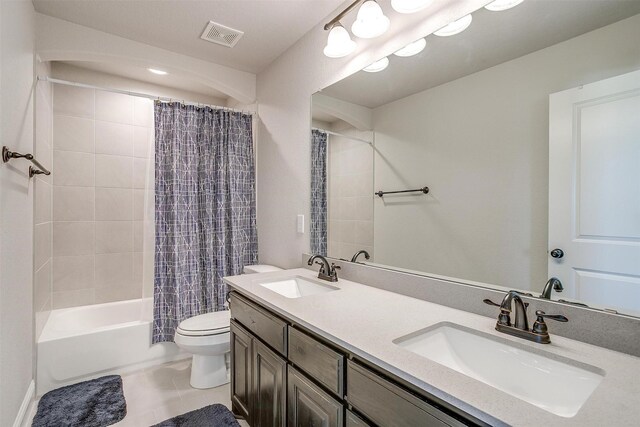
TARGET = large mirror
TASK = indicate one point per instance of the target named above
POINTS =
(525, 128)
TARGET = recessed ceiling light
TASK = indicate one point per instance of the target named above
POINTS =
(409, 6)
(377, 66)
(412, 48)
(500, 5)
(455, 27)
(158, 72)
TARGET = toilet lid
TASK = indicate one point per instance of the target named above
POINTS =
(206, 324)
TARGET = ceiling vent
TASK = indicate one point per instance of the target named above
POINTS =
(220, 34)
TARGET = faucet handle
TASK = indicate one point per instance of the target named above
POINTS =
(489, 302)
(321, 266)
(558, 317)
(540, 327)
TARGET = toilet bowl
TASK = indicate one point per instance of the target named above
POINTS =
(207, 337)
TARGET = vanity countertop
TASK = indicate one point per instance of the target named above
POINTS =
(365, 320)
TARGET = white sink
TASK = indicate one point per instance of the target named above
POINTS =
(297, 287)
(553, 383)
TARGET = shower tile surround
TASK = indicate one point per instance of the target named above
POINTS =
(350, 196)
(102, 197)
(43, 213)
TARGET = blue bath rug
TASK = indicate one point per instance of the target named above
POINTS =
(210, 416)
(93, 403)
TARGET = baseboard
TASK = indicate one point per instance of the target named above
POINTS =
(26, 403)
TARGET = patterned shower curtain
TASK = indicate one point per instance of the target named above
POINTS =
(205, 210)
(318, 192)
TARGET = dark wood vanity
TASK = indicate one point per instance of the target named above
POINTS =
(284, 375)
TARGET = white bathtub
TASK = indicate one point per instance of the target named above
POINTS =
(90, 341)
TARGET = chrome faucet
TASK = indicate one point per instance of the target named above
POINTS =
(357, 254)
(552, 284)
(512, 303)
(327, 272)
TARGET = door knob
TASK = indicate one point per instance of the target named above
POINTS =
(557, 253)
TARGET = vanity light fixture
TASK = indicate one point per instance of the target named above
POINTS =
(455, 27)
(377, 66)
(339, 42)
(409, 6)
(412, 48)
(500, 5)
(158, 72)
(371, 21)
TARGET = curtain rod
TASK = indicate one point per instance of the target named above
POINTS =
(139, 94)
(342, 135)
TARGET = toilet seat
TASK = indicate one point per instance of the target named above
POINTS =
(214, 323)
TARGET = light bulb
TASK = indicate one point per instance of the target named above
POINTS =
(377, 66)
(158, 72)
(370, 21)
(500, 5)
(412, 48)
(409, 6)
(455, 27)
(339, 42)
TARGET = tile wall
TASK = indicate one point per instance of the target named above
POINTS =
(42, 218)
(102, 210)
(350, 193)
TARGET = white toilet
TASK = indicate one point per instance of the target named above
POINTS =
(207, 338)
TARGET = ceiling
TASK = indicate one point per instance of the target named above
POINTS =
(492, 38)
(270, 26)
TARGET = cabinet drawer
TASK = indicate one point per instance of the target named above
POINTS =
(263, 324)
(309, 405)
(386, 404)
(316, 359)
(354, 421)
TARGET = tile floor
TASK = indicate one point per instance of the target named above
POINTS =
(161, 392)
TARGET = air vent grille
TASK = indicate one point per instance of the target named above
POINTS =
(220, 34)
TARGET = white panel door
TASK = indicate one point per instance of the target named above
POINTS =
(594, 192)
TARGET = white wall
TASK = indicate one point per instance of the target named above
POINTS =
(66, 71)
(284, 98)
(16, 206)
(481, 144)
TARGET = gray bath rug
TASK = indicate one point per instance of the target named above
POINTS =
(210, 416)
(94, 403)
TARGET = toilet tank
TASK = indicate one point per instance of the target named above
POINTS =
(260, 268)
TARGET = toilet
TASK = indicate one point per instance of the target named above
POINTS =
(207, 337)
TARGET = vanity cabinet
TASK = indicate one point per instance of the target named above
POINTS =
(269, 387)
(386, 404)
(241, 367)
(283, 375)
(309, 405)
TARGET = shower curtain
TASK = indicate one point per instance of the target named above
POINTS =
(205, 212)
(318, 192)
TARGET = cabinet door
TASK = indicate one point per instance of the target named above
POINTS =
(240, 371)
(269, 382)
(308, 405)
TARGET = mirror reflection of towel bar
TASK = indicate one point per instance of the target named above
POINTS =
(8, 155)
(423, 190)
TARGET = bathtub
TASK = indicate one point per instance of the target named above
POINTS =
(90, 341)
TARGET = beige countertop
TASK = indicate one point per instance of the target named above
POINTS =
(365, 321)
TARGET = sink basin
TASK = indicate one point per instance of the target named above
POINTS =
(298, 287)
(553, 383)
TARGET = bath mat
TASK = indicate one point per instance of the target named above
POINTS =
(210, 416)
(93, 403)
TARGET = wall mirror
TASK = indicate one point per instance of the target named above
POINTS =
(525, 128)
